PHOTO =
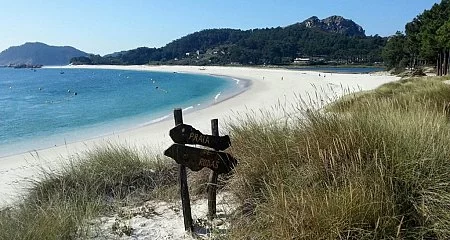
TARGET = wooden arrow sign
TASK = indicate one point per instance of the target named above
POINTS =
(196, 158)
(186, 134)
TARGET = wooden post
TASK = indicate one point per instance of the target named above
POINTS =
(212, 185)
(184, 191)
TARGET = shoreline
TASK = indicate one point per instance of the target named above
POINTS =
(125, 124)
(267, 88)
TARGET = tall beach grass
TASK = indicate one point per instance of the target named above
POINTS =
(373, 166)
(59, 204)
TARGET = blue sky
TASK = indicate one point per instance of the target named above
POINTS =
(104, 27)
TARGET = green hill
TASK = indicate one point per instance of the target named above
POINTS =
(313, 41)
(38, 54)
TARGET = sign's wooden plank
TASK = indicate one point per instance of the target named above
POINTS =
(196, 158)
(186, 134)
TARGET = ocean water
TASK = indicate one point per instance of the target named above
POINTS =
(45, 107)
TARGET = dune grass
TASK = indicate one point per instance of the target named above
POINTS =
(60, 203)
(373, 166)
(401, 94)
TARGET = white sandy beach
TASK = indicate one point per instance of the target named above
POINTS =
(268, 88)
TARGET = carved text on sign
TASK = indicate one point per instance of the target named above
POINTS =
(196, 158)
(186, 134)
(199, 138)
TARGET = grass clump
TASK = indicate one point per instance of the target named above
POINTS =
(401, 94)
(376, 167)
(60, 203)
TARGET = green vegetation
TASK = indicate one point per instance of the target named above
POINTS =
(426, 41)
(402, 94)
(58, 206)
(373, 166)
(274, 46)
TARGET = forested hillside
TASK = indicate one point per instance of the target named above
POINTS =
(313, 41)
(426, 41)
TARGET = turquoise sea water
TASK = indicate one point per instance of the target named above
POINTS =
(43, 107)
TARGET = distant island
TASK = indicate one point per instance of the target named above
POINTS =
(23, 65)
(38, 54)
(314, 41)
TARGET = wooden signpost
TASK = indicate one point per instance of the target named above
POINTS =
(186, 134)
(184, 190)
(197, 159)
(213, 176)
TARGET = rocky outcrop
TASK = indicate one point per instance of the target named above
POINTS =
(335, 24)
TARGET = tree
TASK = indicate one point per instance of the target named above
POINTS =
(427, 40)
(394, 53)
(443, 38)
